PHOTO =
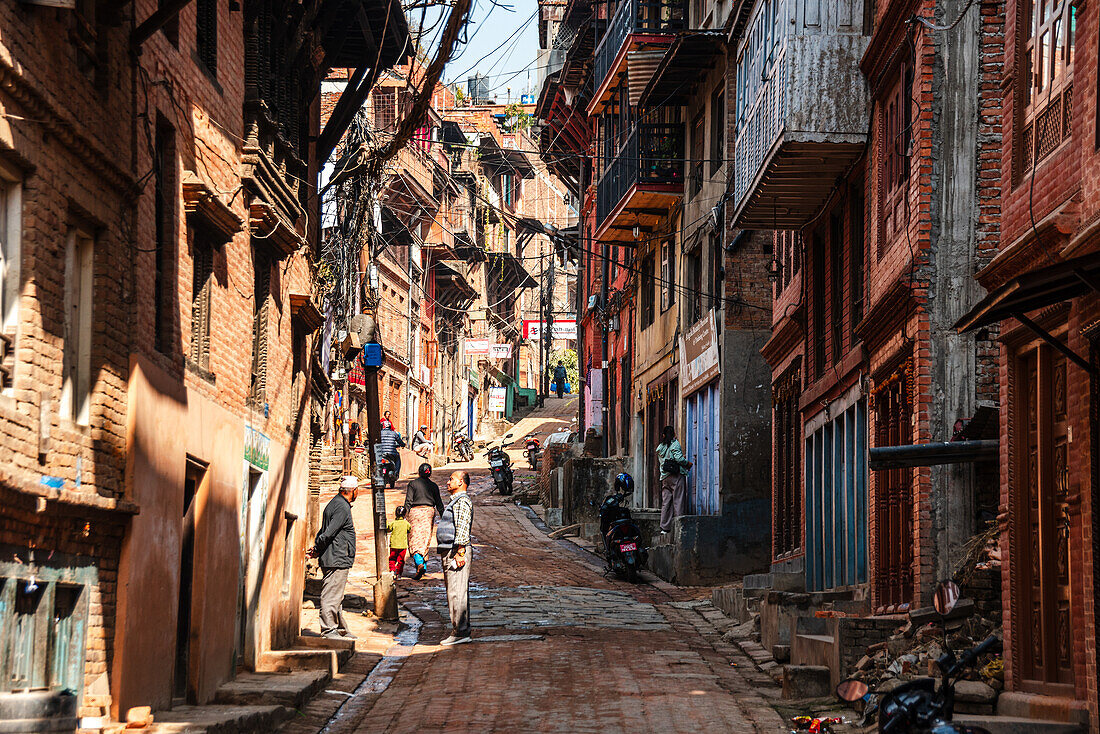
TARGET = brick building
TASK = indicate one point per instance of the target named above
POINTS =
(867, 139)
(672, 315)
(1042, 301)
(159, 216)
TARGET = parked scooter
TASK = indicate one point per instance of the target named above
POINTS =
(532, 450)
(387, 466)
(919, 707)
(621, 536)
(462, 446)
(501, 466)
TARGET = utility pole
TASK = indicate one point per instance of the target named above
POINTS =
(385, 601)
(548, 320)
(544, 384)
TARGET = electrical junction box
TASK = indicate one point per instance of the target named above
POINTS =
(372, 355)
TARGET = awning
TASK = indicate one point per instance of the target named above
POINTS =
(684, 65)
(504, 160)
(1035, 289)
(451, 287)
(510, 270)
(356, 29)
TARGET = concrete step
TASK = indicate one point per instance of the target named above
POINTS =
(806, 681)
(1017, 725)
(220, 720)
(299, 659)
(316, 642)
(776, 581)
(292, 690)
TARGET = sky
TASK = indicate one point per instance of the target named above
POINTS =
(509, 60)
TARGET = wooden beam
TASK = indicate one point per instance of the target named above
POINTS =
(156, 21)
(351, 100)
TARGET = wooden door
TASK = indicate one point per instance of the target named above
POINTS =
(1042, 517)
(893, 494)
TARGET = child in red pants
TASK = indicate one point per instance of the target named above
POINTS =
(399, 541)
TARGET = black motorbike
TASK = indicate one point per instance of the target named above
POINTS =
(621, 537)
(387, 466)
(462, 446)
(501, 467)
(919, 706)
(532, 450)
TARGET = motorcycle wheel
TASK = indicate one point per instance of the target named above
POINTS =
(631, 573)
(467, 453)
(506, 489)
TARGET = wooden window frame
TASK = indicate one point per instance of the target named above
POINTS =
(165, 203)
(202, 287)
(1045, 85)
(896, 125)
(647, 285)
(76, 394)
(718, 128)
(261, 294)
(787, 464)
(206, 35)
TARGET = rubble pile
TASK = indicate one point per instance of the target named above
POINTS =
(913, 650)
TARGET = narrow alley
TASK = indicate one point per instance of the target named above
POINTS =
(558, 646)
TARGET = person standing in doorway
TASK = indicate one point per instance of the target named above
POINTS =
(559, 378)
(334, 546)
(422, 501)
(673, 466)
(453, 539)
(386, 422)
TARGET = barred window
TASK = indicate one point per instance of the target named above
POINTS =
(206, 34)
(261, 293)
(202, 254)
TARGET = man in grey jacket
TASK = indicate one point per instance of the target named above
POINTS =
(452, 537)
(335, 546)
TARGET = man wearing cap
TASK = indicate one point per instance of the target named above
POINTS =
(335, 547)
(420, 443)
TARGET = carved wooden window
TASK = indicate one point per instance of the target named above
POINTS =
(836, 284)
(786, 466)
(1048, 29)
(261, 296)
(668, 275)
(202, 285)
(894, 490)
(87, 39)
(693, 272)
(817, 289)
(896, 124)
(856, 258)
(206, 34)
(1041, 514)
(718, 128)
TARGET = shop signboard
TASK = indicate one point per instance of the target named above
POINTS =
(498, 398)
(699, 354)
(477, 347)
(500, 351)
(562, 329)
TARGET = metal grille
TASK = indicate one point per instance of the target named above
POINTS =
(7, 359)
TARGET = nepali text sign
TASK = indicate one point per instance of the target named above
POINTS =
(477, 346)
(257, 448)
(699, 354)
(498, 397)
(500, 351)
(562, 329)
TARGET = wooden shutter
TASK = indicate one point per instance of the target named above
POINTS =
(206, 34)
(259, 327)
(203, 255)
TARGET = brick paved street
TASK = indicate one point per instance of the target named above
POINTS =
(557, 647)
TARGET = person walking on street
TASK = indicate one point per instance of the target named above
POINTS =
(421, 444)
(388, 443)
(673, 467)
(334, 546)
(453, 538)
(399, 541)
(559, 378)
(422, 501)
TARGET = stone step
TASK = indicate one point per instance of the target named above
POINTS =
(220, 720)
(776, 581)
(301, 659)
(316, 642)
(292, 690)
(1017, 725)
(806, 681)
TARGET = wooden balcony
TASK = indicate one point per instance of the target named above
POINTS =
(636, 39)
(640, 185)
(801, 107)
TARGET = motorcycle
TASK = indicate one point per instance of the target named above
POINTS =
(387, 466)
(622, 538)
(501, 467)
(462, 446)
(532, 450)
(918, 707)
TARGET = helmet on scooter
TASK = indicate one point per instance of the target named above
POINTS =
(624, 483)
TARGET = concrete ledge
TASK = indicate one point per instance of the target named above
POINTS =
(1049, 708)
